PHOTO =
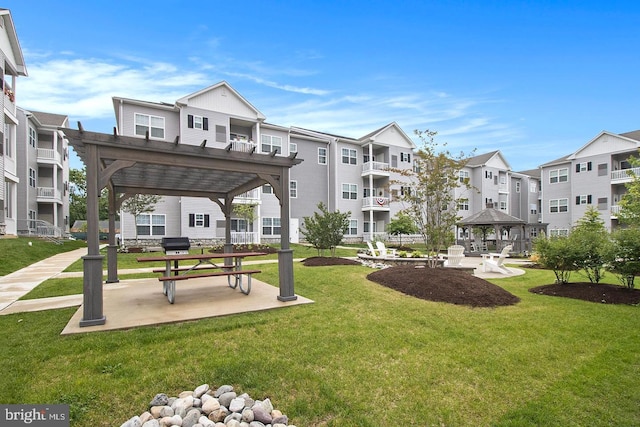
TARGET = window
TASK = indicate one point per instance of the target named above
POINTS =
(558, 175)
(503, 206)
(271, 143)
(463, 205)
(603, 203)
(293, 147)
(198, 220)
(7, 141)
(33, 137)
(405, 157)
(270, 226)
(416, 166)
(239, 225)
(32, 177)
(405, 191)
(197, 122)
(350, 191)
(583, 167)
(367, 227)
(583, 200)
(8, 199)
(352, 230)
(533, 187)
(488, 174)
(349, 156)
(267, 189)
(533, 209)
(559, 232)
(32, 219)
(603, 169)
(150, 225)
(517, 186)
(152, 124)
(558, 205)
(322, 156)
(293, 189)
(464, 177)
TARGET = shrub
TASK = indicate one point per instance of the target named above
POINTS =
(557, 254)
(623, 256)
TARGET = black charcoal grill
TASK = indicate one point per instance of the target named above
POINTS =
(176, 245)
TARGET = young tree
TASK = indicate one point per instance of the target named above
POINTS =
(139, 204)
(246, 212)
(401, 224)
(78, 197)
(325, 230)
(630, 203)
(590, 240)
(429, 193)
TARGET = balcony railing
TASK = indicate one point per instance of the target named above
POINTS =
(48, 154)
(244, 146)
(49, 193)
(615, 210)
(381, 203)
(244, 238)
(625, 175)
(375, 167)
(9, 98)
(249, 195)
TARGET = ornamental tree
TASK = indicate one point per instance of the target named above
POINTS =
(325, 230)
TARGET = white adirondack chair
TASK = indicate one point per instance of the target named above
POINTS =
(495, 262)
(371, 250)
(455, 254)
(384, 252)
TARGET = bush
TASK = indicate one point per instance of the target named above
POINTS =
(557, 254)
(623, 256)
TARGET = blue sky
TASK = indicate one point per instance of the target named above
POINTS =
(534, 79)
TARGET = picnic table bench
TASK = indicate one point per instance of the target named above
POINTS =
(205, 267)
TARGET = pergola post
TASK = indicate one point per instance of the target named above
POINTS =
(92, 262)
(285, 254)
(112, 249)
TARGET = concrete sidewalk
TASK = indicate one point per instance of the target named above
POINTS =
(19, 283)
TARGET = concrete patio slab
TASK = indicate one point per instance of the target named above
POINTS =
(140, 302)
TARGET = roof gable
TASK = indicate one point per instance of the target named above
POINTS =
(493, 159)
(10, 45)
(606, 142)
(391, 134)
(222, 98)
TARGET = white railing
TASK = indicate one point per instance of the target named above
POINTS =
(244, 238)
(48, 154)
(375, 202)
(249, 195)
(9, 98)
(615, 210)
(39, 228)
(244, 146)
(625, 174)
(375, 167)
(49, 193)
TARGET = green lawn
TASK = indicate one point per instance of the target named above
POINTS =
(361, 355)
(16, 253)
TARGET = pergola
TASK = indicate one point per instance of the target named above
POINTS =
(497, 221)
(127, 166)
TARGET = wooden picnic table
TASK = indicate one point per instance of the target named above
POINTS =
(231, 267)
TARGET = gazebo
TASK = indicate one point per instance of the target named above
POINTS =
(496, 221)
(127, 166)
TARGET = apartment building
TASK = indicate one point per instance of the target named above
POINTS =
(347, 174)
(592, 176)
(13, 66)
(42, 167)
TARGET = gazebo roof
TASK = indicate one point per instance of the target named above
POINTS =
(490, 216)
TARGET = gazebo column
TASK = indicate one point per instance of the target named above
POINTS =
(92, 262)
(112, 249)
(285, 254)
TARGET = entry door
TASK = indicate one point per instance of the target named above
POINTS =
(294, 230)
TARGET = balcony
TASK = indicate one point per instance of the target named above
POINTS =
(49, 194)
(375, 168)
(9, 99)
(375, 204)
(251, 196)
(244, 146)
(615, 210)
(49, 156)
(624, 175)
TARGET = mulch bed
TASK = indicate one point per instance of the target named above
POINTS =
(586, 291)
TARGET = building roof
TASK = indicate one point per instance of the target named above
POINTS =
(50, 119)
(14, 42)
(633, 135)
(534, 173)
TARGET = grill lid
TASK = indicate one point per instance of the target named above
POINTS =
(175, 243)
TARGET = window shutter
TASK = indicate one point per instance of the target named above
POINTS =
(190, 121)
(192, 220)
(577, 167)
(577, 200)
(206, 219)
(205, 123)
(588, 166)
(589, 199)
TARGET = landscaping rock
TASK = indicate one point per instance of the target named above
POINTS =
(204, 407)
